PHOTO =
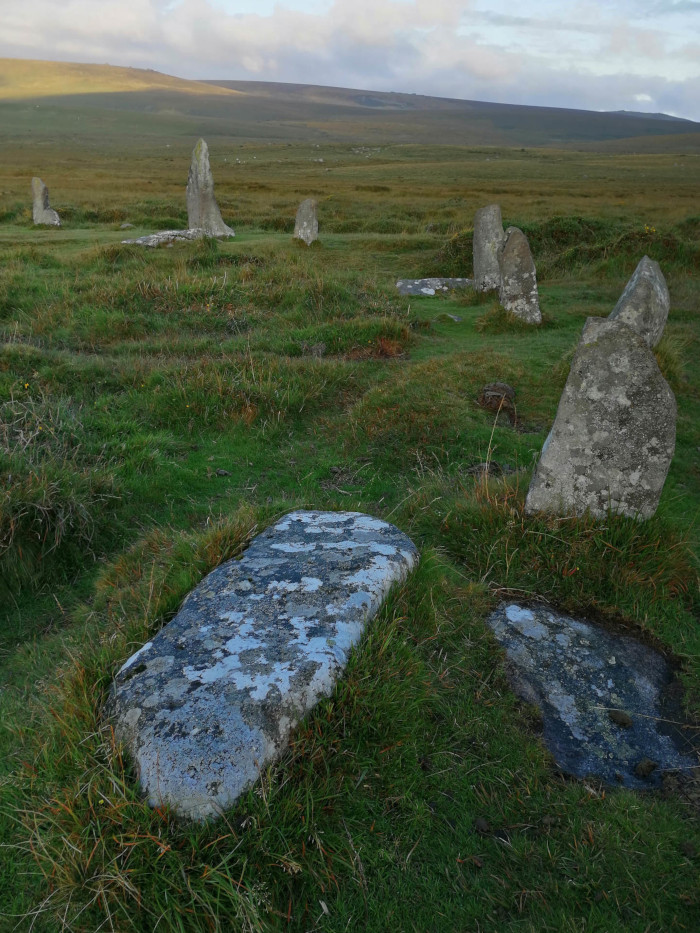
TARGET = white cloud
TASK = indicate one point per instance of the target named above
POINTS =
(574, 53)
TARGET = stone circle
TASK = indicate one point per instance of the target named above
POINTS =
(517, 292)
(306, 222)
(645, 302)
(42, 212)
(488, 239)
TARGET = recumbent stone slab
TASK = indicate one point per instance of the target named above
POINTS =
(427, 288)
(517, 292)
(601, 695)
(206, 705)
(488, 239)
(202, 210)
(614, 433)
(42, 212)
(645, 302)
(306, 222)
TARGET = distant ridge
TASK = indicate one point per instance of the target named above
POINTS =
(101, 101)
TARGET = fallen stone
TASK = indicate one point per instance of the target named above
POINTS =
(306, 223)
(645, 302)
(498, 397)
(429, 287)
(575, 672)
(167, 237)
(42, 212)
(488, 239)
(614, 433)
(125, 226)
(210, 702)
(202, 210)
(517, 292)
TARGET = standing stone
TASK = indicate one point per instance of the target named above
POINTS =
(614, 434)
(488, 238)
(202, 210)
(42, 212)
(645, 302)
(518, 289)
(306, 223)
(206, 705)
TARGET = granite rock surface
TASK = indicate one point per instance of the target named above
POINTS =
(42, 212)
(614, 433)
(602, 695)
(488, 239)
(518, 292)
(306, 222)
(206, 705)
(427, 288)
(645, 302)
(202, 210)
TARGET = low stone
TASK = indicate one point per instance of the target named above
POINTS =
(125, 226)
(167, 237)
(42, 212)
(517, 292)
(427, 288)
(202, 210)
(614, 433)
(498, 396)
(645, 302)
(306, 223)
(211, 701)
(488, 239)
(575, 672)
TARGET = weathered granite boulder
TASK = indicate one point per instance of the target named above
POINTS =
(517, 292)
(488, 239)
(614, 434)
(42, 212)
(206, 705)
(167, 237)
(306, 223)
(202, 210)
(645, 302)
(427, 288)
(603, 696)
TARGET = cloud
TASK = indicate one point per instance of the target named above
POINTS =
(568, 53)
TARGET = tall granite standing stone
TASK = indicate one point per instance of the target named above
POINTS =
(518, 289)
(306, 223)
(42, 212)
(614, 434)
(202, 210)
(211, 700)
(488, 239)
(645, 302)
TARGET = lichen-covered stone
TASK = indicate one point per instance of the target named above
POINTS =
(42, 212)
(614, 434)
(167, 237)
(306, 223)
(601, 695)
(202, 210)
(488, 239)
(206, 705)
(427, 288)
(517, 292)
(645, 302)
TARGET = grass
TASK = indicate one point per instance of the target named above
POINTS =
(160, 407)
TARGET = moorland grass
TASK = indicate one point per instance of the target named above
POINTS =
(188, 396)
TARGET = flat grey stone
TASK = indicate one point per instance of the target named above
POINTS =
(645, 302)
(306, 222)
(614, 433)
(42, 212)
(206, 705)
(167, 237)
(578, 674)
(427, 288)
(202, 210)
(488, 239)
(517, 292)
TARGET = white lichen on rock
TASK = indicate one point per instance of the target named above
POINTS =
(206, 705)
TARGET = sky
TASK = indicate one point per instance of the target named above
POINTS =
(616, 55)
